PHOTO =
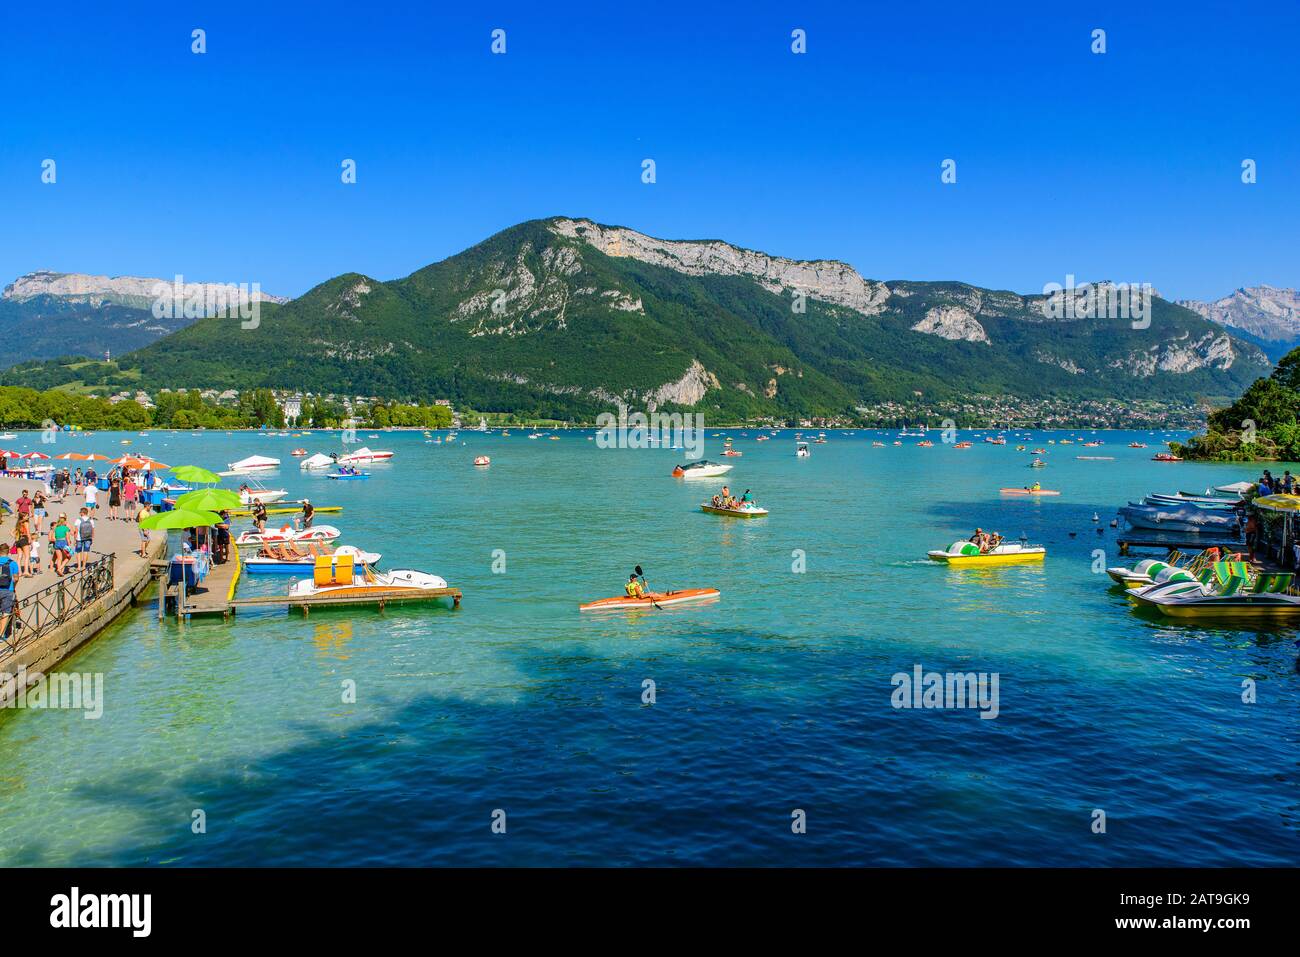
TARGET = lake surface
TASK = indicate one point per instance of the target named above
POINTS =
(776, 698)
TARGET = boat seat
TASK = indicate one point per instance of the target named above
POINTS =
(1234, 585)
(332, 570)
(1272, 582)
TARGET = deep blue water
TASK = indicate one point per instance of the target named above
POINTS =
(775, 698)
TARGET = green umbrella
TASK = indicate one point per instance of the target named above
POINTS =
(180, 518)
(192, 473)
(209, 500)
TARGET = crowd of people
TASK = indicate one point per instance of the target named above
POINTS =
(1288, 484)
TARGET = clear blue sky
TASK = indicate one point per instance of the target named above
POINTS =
(225, 167)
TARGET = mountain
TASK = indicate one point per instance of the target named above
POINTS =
(561, 317)
(49, 314)
(1261, 314)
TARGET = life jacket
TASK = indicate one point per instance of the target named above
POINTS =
(633, 589)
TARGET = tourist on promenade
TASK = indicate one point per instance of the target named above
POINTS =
(60, 549)
(145, 512)
(130, 493)
(9, 574)
(114, 494)
(38, 511)
(91, 494)
(85, 531)
(23, 545)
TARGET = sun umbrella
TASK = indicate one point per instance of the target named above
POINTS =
(70, 455)
(1278, 503)
(34, 455)
(180, 518)
(139, 464)
(192, 473)
(209, 499)
(96, 457)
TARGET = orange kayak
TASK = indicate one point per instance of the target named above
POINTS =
(1027, 491)
(654, 598)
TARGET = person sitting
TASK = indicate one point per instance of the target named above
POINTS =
(979, 538)
(634, 587)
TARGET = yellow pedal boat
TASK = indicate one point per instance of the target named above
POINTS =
(1008, 553)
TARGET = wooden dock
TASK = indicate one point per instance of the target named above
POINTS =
(1149, 538)
(377, 598)
(211, 597)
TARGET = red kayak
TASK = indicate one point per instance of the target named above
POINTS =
(655, 598)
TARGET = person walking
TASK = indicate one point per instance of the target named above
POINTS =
(114, 494)
(85, 531)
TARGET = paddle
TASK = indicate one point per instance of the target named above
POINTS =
(641, 575)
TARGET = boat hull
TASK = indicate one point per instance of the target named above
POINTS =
(1010, 558)
(734, 512)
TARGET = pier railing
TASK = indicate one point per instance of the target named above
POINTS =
(41, 612)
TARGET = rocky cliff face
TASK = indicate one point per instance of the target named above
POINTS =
(825, 279)
(1271, 314)
(133, 291)
(952, 322)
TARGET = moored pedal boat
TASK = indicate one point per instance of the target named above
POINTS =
(254, 538)
(276, 560)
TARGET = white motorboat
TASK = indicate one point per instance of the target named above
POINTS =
(342, 580)
(288, 559)
(316, 463)
(254, 463)
(362, 455)
(266, 496)
(256, 539)
(802, 451)
(701, 469)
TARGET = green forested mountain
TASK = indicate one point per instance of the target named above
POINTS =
(561, 317)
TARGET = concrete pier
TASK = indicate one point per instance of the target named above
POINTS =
(131, 576)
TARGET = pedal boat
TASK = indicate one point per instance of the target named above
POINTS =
(652, 600)
(278, 560)
(340, 579)
(320, 533)
(1008, 553)
(1225, 592)
(744, 511)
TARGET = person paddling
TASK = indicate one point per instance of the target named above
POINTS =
(634, 587)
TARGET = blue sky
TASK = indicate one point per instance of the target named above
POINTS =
(226, 166)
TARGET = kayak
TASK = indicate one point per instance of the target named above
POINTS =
(659, 599)
(752, 511)
(1027, 491)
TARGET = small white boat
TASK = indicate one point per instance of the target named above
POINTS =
(364, 454)
(701, 469)
(254, 463)
(256, 539)
(316, 463)
(291, 560)
(266, 496)
(802, 451)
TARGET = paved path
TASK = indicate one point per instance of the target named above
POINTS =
(119, 537)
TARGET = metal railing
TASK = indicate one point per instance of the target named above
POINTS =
(41, 612)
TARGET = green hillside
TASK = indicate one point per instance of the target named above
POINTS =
(535, 321)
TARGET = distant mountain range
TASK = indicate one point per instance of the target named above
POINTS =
(1261, 314)
(44, 315)
(561, 317)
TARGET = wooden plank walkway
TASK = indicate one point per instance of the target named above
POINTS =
(213, 596)
(378, 598)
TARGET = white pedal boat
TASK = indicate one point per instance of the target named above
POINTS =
(255, 539)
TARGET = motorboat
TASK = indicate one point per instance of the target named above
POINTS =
(1165, 457)
(1212, 504)
(318, 533)
(965, 553)
(482, 461)
(1180, 518)
(363, 455)
(744, 510)
(316, 463)
(288, 559)
(701, 469)
(1235, 488)
(298, 453)
(1037, 464)
(254, 463)
(651, 600)
(251, 493)
(802, 451)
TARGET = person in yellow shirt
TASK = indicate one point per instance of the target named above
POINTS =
(634, 587)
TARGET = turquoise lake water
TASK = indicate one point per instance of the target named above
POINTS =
(775, 698)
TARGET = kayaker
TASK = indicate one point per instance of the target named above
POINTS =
(634, 588)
